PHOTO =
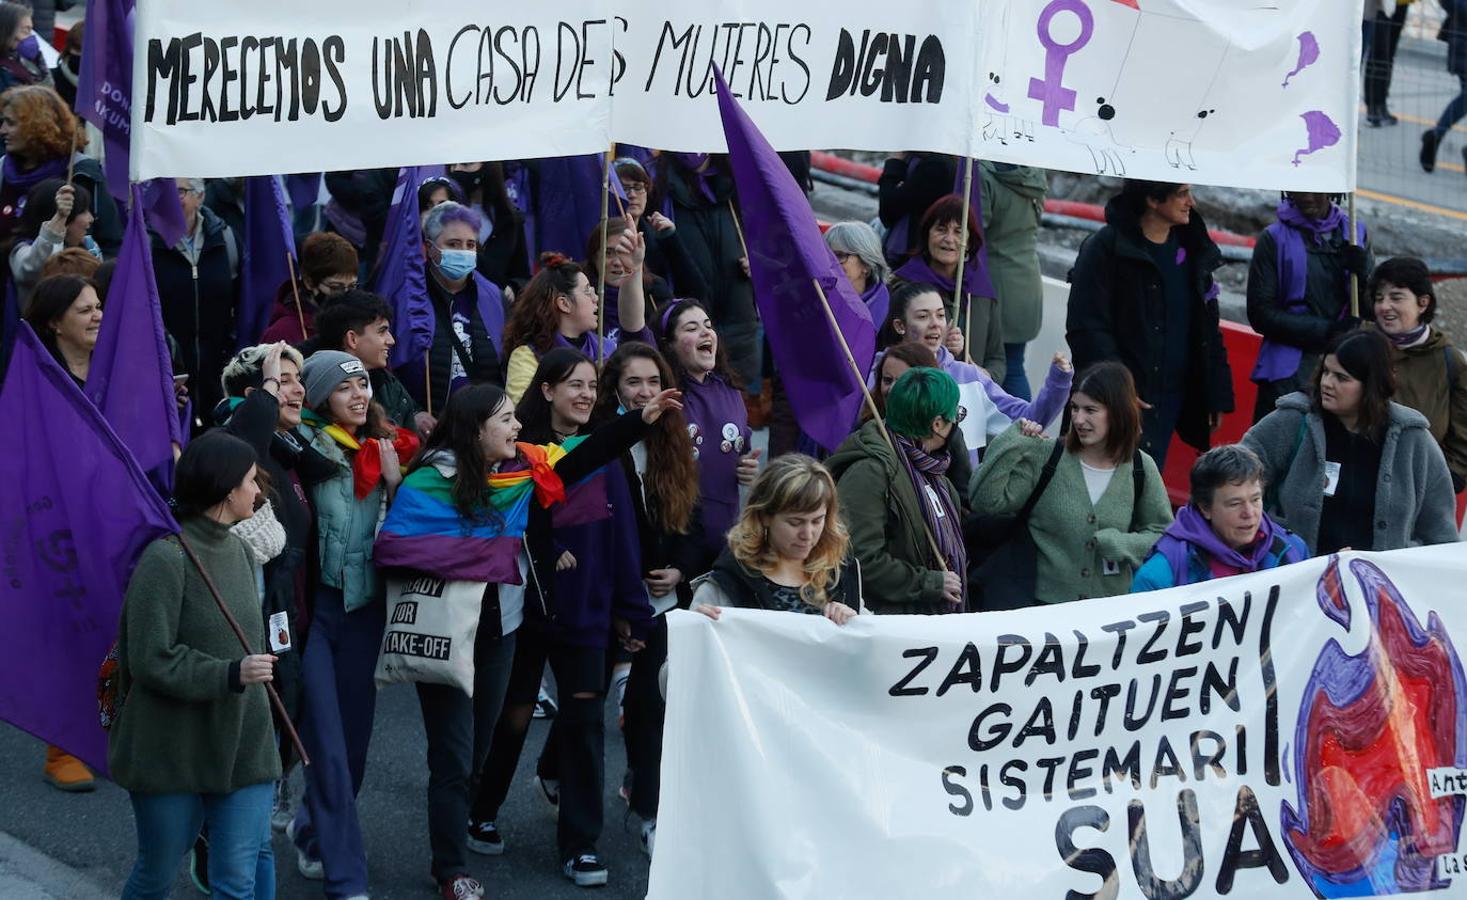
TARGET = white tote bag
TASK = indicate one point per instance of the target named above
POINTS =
(431, 626)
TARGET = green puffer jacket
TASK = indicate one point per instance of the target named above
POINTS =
(346, 528)
(881, 510)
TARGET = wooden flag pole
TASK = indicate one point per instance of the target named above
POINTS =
(1354, 278)
(961, 302)
(738, 227)
(295, 290)
(601, 269)
(871, 406)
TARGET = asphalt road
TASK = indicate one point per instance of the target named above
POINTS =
(1389, 168)
(93, 833)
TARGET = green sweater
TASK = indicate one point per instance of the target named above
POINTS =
(1073, 538)
(184, 726)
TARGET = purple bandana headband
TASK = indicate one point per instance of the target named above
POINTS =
(677, 305)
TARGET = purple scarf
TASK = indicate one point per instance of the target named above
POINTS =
(916, 269)
(1408, 338)
(1191, 529)
(928, 471)
(20, 181)
(1277, 361)
(878, 300)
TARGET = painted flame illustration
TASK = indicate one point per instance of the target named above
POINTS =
(1369, 728)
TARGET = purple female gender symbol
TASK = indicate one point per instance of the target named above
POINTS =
(1051, 90)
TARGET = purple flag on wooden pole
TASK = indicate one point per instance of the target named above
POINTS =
(131, 378)
(104, 98)
(402, 277)
(268, 240)
(74, 522)
(787, 256)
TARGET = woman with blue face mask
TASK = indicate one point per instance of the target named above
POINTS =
(22, 62)
(468, 311)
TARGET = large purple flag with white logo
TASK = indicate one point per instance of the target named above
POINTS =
(75, 515)
(104, 98)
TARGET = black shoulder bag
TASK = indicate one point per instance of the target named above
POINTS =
(1001, 551)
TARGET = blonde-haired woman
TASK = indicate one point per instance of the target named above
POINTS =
(788, 551)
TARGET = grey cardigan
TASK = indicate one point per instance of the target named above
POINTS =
(1414, 503)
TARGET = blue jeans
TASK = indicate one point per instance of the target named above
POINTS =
(1455, 110)
(1016, 380)
(241, 864)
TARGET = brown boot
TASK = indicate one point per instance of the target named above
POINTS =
(67, 773)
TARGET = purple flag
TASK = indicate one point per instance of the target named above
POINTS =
(976, 280)
(787, 255)
(74, 525)
(104, 84)
(618, 190)
(304, 190)
(568, 202)
(268, 240)
(131, 378)
(401, 277)
(104, 98)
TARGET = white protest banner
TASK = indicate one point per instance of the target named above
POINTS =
(1260, 95)
(271, 86)
(1176, 90)
(819, 73)
(275, 86)
(1298, 733)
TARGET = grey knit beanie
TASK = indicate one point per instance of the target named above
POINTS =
(324, 370)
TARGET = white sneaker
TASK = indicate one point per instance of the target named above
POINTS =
(649, 836)
(304, 864)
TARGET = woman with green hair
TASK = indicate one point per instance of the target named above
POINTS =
(903, 514)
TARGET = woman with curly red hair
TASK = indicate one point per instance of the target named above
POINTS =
(41, 137)
(559, 308)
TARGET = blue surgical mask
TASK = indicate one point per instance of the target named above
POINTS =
(30, 48)
(456, 264)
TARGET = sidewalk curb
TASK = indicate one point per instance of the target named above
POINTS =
(28, 874)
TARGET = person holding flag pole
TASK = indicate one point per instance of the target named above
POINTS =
(902, 512)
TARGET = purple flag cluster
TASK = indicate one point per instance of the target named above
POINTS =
(402, 277)
(269, 238)
(104, 98)
(787, 256)
(131, 376)
(74, 526)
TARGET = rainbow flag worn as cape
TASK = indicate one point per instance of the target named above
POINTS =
(425, 532)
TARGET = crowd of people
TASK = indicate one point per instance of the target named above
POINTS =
(588, 456)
